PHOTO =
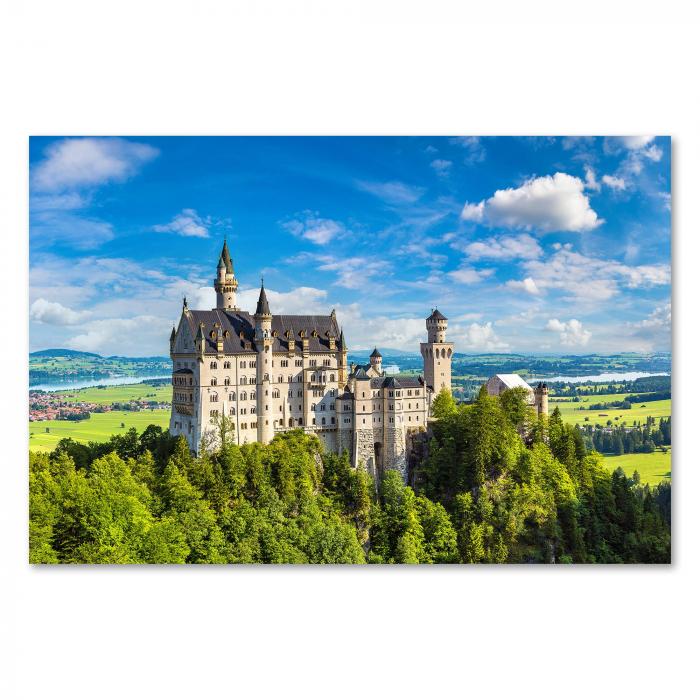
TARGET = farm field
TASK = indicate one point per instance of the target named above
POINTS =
(99, 427)
(571, 413)
(653, 467)
(121, 394)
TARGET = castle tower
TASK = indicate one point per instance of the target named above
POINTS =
(437, 354)
(225, 283)
(264, 373)
(342, 358)
(375, 359)
(542, 399)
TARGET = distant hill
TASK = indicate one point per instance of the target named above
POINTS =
(62, 352)
(65, 352)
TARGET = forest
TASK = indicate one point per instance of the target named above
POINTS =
(495, 485)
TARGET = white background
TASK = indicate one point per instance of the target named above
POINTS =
(347, 68)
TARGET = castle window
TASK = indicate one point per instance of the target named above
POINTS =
(252, 410)
(213, 413)
(323, 421)
(301, 421)
(298, 363)
(252, 396)
(275, 394)
(332, 377)
(252, 364)
(244, 396)
(280, 409)
(232, 411)
(322, 407)
(232, 396)
(313, 421)
(280, 379)
(291, 422)
(213, 381)
(227, 381)
(212, 365)
(227, 365)
(266, 377)
(213, 398)
(284, 363)
(242, 364)
(313, 406)
(243, 380)
(312, 363)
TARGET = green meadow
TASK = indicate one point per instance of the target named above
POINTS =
(98, 428)
(571, 411)
(121, 394)
(653, 467)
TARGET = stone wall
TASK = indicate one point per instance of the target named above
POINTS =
(395, 449)
(363, 453)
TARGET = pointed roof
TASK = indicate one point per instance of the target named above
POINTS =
(263, 308)
(437, 316)
(343, 346)
(200, 332)
(225, 258)
(376, 353)
(172, 334)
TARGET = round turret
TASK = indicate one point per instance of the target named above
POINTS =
(436, 324)
(375, 359)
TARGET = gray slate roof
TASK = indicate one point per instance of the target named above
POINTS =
(237, 322)
(437, 316)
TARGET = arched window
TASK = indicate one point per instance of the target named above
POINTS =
(212, 365)
(213, 398)
(313, 406)
(252, 396)
(227, 365)
(323, 421)
(280, 379)
(332, 377)
(244, 396)
(232, 396)
(232, 411)
(442, 354)
(243, 380)
(227, 381)
(242, 364)
(213, 381)
(291, 422)
(275, 394)
(301, 421)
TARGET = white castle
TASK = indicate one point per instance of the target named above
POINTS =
(270, 373)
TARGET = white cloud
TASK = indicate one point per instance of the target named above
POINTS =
(571, 333)
(475, 151)
(615, 183)
(591, 182)
(133, 337)
(659, 319)
(187, 223)
(544, 204)
(634, 143)
(392, 192)
(83, 162)
(523, 246)
(477, 337)
(528, 285)
(350, 272)
(312, 227)
(588, 280)
(441, 167)
(469, 275)
(55, 314)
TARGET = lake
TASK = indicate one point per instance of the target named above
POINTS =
(92, 381)
(605, 377)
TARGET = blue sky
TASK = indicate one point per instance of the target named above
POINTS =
(527, 244)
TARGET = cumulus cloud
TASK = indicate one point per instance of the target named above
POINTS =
(469, 275)
(587, 279)
(441, 167)
(187, 223)
(133, 337)
(352, 272)
(477, 336)
(543, 204)
(312, 227)
(634, 143)
(55, 314)
(571, 333)
(528, 285)
(85, 162)
(659, 319)
(523, 246)
(393, 192)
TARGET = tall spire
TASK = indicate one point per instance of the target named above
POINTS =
(343, 346)
(263, 308)
(225, 258)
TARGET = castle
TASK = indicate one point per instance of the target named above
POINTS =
(269, 373)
